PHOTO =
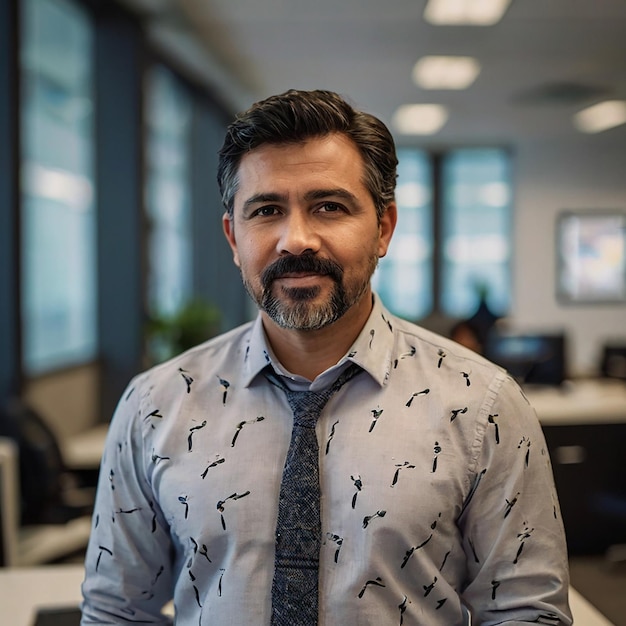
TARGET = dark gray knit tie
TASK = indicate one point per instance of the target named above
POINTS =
(298, 530)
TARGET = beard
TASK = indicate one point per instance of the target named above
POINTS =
(294, 308)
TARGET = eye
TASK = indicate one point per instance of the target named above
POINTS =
(265, 211)
(330, 207)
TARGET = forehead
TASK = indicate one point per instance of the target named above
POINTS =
(334, 157)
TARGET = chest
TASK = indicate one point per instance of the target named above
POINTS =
(388, 459)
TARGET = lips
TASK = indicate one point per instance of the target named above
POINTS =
(301, 280)
(299, 275)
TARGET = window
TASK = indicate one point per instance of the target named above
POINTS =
(466, 232)
(58, 215)
(475, 219)
(411, 250)
(167, 193)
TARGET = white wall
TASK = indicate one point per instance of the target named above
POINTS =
(585, 173)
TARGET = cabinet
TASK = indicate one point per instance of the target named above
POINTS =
(584, 424)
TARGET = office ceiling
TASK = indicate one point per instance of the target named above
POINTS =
(545, 60)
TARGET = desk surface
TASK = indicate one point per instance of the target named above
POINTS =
(84, 450)
(24, 590)
(601, 401)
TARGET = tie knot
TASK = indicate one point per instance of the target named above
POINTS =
(307, 405)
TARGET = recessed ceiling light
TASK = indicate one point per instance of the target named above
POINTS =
(465, 12)
(602, 116)
(420, 119)
(445, 72)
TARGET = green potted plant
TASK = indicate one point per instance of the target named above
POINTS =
(193, 323)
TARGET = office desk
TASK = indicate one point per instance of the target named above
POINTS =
(23, 591)
(585, 428)
(594, 401)
(83, 451)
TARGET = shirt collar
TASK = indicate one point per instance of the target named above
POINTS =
(372, 349)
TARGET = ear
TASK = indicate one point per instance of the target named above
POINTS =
(386, 227)
(229, 232)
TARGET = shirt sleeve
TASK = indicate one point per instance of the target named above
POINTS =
(128, 563)
(511, 523)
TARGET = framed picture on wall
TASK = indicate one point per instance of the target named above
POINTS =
(591, 251)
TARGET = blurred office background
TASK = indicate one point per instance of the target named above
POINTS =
(512, 193)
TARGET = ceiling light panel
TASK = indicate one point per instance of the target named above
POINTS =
(465, 12)
(445, 72)
(419, 119)
(601, 116)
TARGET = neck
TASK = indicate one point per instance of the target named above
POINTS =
(310, 352)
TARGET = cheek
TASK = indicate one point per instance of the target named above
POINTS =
(364, 245)
(251, 261)
(357, 260)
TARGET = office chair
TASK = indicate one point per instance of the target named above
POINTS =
(41, 524)
(9, 510)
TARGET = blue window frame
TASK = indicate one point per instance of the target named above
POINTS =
(404, 278)
(57, 186)
(476, 232)
(168, 202)
(452, 244)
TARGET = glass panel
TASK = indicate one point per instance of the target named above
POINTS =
(476, 227)
(404, 277)
(58, 219)
(167, 193)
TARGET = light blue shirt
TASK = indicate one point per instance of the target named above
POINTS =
(437, 490)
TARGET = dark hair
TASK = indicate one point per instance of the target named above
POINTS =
(296, 116)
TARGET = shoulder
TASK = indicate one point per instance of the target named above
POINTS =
(442, 350)
(452, 372)
(209, 359)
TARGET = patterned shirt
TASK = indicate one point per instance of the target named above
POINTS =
(438, 499)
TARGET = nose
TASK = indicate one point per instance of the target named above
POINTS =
(298, 235)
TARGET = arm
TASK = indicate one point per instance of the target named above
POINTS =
(511, 526)
(128, 562)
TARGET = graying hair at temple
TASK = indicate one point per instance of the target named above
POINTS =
(294, 117)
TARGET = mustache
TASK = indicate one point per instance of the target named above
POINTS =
(308, 263)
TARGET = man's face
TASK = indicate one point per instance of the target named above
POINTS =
(304, 231)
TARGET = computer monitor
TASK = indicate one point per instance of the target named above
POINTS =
(529, 358)
(613, 364)
(9, 513)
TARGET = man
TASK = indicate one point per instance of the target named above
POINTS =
(437, 498)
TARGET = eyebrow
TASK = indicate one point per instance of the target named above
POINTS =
(260, 198)
(314, 194)
(337, 192)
